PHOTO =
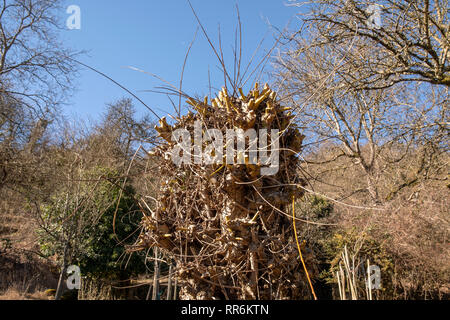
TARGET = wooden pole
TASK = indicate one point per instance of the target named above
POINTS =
(156, 277)
(369, 281)
(169, 283)
(175, 285)
(148, 292)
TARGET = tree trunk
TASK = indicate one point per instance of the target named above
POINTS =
(61, 275)
(372, 175)
(373, 188)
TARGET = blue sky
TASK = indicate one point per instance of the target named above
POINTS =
(154, 36)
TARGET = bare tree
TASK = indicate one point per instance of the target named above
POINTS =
(35, 76)
(125, 130)
(35, 68)
(322, 79)
(22, 138)
(410, 38)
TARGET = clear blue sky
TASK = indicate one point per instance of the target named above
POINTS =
(154, 36)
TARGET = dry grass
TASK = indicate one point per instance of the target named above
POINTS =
(15, 294)
(23, 275)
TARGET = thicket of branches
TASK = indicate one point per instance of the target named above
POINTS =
(374, 102)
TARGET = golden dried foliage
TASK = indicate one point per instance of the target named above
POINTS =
(225, 225)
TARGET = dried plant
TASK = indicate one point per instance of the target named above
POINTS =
(226, 226)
